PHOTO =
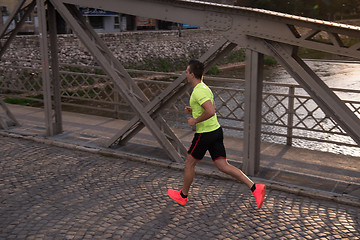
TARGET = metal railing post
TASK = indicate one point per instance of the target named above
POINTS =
(45, 67)
(116, 100)
(290, 112)
(252, 115)
(55, 69)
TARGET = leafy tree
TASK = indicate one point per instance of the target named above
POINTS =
(321, 9)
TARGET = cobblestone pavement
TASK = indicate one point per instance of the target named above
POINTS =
(49, 192)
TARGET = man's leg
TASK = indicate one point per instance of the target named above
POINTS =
(258, 190)
(224, 166)
(189, 173)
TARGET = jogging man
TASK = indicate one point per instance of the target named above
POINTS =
(208, 137)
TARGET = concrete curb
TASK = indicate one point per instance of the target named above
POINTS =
(270, 184)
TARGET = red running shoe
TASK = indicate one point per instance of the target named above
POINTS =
(175, 195)
(259, 194)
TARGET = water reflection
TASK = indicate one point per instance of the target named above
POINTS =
(334, 74)
(342, 75)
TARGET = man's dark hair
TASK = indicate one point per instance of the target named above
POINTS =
(197, 68)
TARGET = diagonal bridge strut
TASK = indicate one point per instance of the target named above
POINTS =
(147, 112)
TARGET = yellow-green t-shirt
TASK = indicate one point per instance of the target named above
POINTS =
(202, 93)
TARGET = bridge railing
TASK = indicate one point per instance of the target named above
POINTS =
(289, 115)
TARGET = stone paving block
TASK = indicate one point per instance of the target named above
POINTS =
(56, 193)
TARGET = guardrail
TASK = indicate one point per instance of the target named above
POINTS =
(288, 113)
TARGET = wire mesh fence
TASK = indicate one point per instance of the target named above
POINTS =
(288, 113)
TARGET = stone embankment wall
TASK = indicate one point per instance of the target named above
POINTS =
(131, 48)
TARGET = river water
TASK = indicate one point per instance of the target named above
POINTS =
(335, 74)
(344, 75)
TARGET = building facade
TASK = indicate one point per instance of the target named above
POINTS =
(102, 21)
(8, 6)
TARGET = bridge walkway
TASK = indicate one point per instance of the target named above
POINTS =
(305, 172)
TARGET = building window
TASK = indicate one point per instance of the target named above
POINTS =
(29, 19)
(96, 22)
(116, 22)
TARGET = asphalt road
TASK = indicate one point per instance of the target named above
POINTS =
(48, 192)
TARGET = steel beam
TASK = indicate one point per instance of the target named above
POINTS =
(9, 115)
(327, 100)
(45, 67)
(252, 118)
(11, 34)
(55, 69)
(126, 86)
(170, 94)
(237, 22)
(12, 17)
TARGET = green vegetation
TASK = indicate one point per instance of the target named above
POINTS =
(214, 70)
(314, 54)
(161, 65)
(73, 69)
(321, 9)
(237, 56)
(179, 64)
(20, 101)
(269, 61)
(99, 72)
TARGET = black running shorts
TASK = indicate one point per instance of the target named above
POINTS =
(211, 141)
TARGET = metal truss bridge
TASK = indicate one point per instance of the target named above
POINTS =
(260, 32)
